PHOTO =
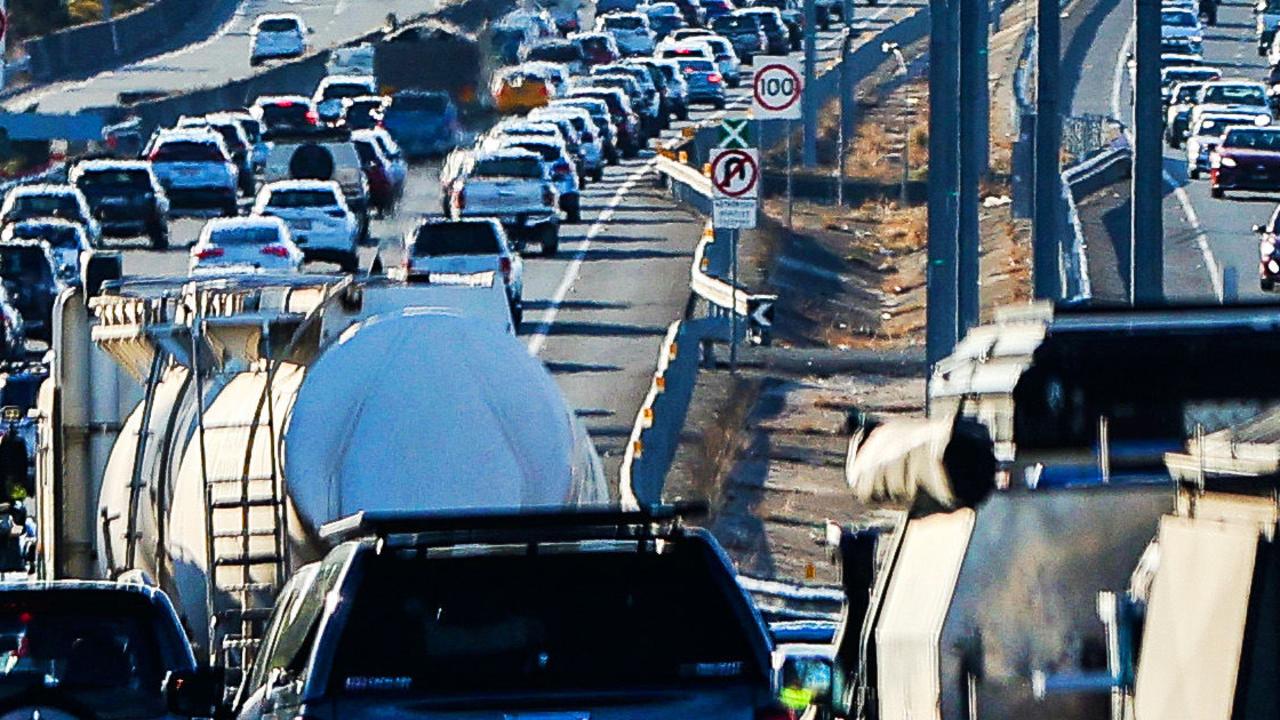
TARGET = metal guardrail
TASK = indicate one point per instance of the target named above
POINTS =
(1079, 181)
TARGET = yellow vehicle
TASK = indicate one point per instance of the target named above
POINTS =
(520, 90)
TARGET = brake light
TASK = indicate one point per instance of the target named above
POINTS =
(542, 90)
(504, 265)
(684, 51)
(688, 71)
(313, 117)
(285, 104)
(279, 251)
(714, 78)
(154, 154)
(561, 170)
(461, 201)
(210, 253)
(548, 197)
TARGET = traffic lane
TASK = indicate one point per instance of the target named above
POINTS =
(221, 58)
(1094, 34)
(1227, 242)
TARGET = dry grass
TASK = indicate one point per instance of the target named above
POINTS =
(867, 157)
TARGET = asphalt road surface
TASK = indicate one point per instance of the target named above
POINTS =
(595, 313)
(1209, 244)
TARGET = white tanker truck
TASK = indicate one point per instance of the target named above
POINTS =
(208, 430)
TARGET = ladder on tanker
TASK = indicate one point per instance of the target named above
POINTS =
(247, 531)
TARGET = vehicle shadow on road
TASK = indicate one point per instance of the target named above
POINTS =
(570, 368)
(598, 254)
(588, 329)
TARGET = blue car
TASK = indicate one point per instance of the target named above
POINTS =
(706, 85)
(423, 123)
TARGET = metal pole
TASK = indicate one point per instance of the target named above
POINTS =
(908, 123)
(846, 102)
(809, 101)
(733, 310)
(789, 166)
(973, 153)
(846, 16)
(106, 9)
(4, 49)
(1046, 255)
(1147, 231)
(944, 107)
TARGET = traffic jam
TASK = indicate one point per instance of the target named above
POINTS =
(274, 445)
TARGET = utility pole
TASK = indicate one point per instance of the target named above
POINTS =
(1146, 263)
(973, 155)
(942, 319)
(106, 9)
(1045, 251)
(847, 128)
(809, 102)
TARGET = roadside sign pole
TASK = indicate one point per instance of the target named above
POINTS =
(1146, 237)
(733, 311)
(808, 101)
(789, 196)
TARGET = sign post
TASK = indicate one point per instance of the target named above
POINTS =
(735, 182)
(776, 92)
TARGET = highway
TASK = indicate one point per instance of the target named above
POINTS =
(1205, 239)
(221, 58)
(596, 312)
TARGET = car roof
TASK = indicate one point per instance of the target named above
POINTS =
(136, 588)
(506, 153)
(247, 221)
(353, 79)
(194, 133)
(277, 16)
(276, 99)
(105, 164)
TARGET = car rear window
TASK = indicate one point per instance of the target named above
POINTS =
(508, 167)
(284, 113)
(132, 179)
(255, 235)
(56, 236)
(420, 103)
(302, 199)
(187, 151)
(624, 22)
(457, 238)
(553, 622)
(278, 25)
(1253, 139)
(64, 206)
(92, 646)
(697, 65)
(563, 52)
(1235, 94)
(595, 44)
(344, 90)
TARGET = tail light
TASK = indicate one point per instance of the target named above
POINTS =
(561, 169)
(548, 197)
(461, 199)
(279, 251)
(714, 78)
(313, 118)
(154, 154)
(543, 91)
(211, 253)
(504, 266)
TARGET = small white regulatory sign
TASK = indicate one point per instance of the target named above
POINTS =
(730, 214)
(776, 88)
(735, 173)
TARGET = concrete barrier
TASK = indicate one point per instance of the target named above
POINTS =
(85, 49)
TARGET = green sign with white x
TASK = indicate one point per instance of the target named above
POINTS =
(735, 133)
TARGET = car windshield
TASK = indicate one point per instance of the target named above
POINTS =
(279, 25)
(1234, 95)
(1253, 139)
(302, 199)
(114, 180)
(1187, 92)
(508, 167)
(187, 151)
(29, 206)
(100, 649)
(245, 235)
(1179, 18)
(595, 44)
(542, 623)
(336, 91)
(457, 238)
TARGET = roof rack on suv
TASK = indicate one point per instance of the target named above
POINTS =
(531, 525)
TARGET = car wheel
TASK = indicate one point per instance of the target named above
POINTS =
(598, 175)
(159, 234)
(517, 313)
(720, 104)
(1217, 192)
(684, 113)
(350, 263)
(1267, 284)
(611, 155)
(231, 209)
(1193, 173)
(573, 207)
(549, 239)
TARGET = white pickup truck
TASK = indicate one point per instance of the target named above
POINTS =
(512, 185)
(1267, 16)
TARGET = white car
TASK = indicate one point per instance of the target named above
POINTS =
(66, 240)
(357, 60)
(629, 30)
(439, 247)
(320, 223)
(1182, 27)
(245, 245)
(333, 89)
(195, 170)
(277, 36)
(45, 201)
(397, 166)
(592, 142)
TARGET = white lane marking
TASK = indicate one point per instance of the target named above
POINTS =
(340, 7)
(1184, 200)
(539, 337)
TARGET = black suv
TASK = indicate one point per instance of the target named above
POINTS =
(559, 613)
(88, 650)
(744, 33)
(125, 198)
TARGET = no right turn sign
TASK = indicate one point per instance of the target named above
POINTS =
(776, 88)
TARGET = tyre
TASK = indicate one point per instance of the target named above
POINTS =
(517, 313)
(573, 208)
(1193, 173)
(684, 113)
(159, 235)
(598, 175)
(349, 263)
(230, 209)
(611, 155)
(1267, 284)
(720, 104)
(1217, 192)
(549, 240)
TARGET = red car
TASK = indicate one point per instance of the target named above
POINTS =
(597, 48)
(1248, 158)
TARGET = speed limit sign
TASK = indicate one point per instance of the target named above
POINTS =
(776, 88)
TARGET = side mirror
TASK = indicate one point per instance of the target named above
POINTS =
(805, 678)
(1259, 229)
(196, 693)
